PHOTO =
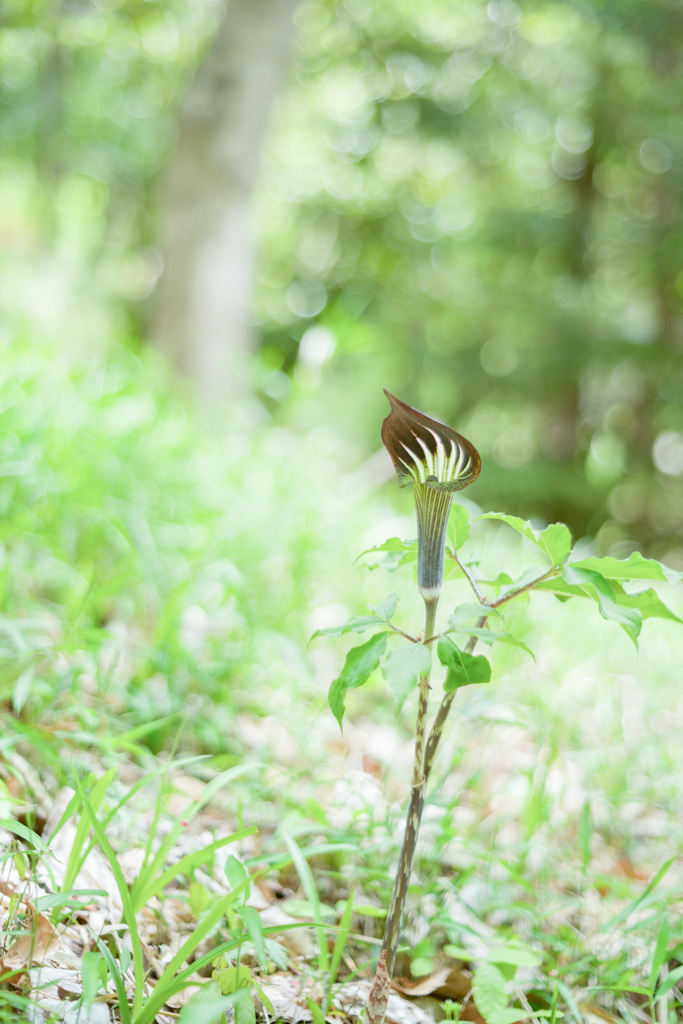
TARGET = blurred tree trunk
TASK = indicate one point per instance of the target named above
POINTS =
(201, 321)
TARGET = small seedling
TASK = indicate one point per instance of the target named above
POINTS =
(438, 462)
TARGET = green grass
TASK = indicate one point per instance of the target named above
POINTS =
(160, 581)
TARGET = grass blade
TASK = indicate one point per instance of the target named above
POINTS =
(128, 912)
(76, 860)
(339, 946)
(306, 876)
(185, 864)
(164, 988)
(124, 1009)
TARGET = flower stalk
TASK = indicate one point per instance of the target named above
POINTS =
(438, 462)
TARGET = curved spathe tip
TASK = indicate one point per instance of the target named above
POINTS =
(424, 450)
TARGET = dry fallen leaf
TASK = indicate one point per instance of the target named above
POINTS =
(423, 987)
(447, 983)
(34, 946)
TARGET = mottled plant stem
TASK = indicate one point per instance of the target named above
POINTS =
(441, 718)
(405, 864)
(426, 747)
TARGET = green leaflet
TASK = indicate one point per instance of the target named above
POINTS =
(403, 668)
(630, 619)
(517, 956)
(403, 551)
(386, 608)
(555, 541)
(463, 668)
(489, 636)
(501, 580)
(458, 526)
(360, 663)
(648, 602)
(205, 1006)
(472, 610)
(252, 920)
(393, 544)
(635, 567)
(245, 1011)
(356, 624)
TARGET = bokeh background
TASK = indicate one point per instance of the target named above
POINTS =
(476, 205)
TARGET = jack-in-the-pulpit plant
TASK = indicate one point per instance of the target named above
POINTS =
(438, 462)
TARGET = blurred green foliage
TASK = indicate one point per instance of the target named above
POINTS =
(485, 200)
(476, 205)
(153, 575)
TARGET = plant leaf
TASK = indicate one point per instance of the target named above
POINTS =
(489, 636)
(386, 608)
(519, 956)
(458, 526)
(206, 1005)
(356, 624)
(393, 544)
(463, 668)
(635, 567)
(360, 663)
(305, 874)
(472, 610)
(669, 982)
(648, 603)
(488, 989)
(630, 619)
(250, 916)
(27, 834)
(403, 668)
(191, 860)
(316, 1013)
(555, 541)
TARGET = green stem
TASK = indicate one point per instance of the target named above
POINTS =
(405, 865)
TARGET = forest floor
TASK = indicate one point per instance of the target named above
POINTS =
(182, 819)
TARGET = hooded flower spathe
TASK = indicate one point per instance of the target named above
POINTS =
(437, 461)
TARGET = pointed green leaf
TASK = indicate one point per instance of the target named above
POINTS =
(463, 668)
(356, 624)
(316, 1013)
(562, 589)
(630, 619)
(555, 541)
(635, 567)
(386, 608)
(393, 544)
(501, 580)
(472, 610)
(360, 663)
(488, 989)
(403, 668)
(263, 997)
(458, 526)
(519, 956)
(648, 603)
(235, 872)
(489, 636)
(245, 1011)
(252, 920)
